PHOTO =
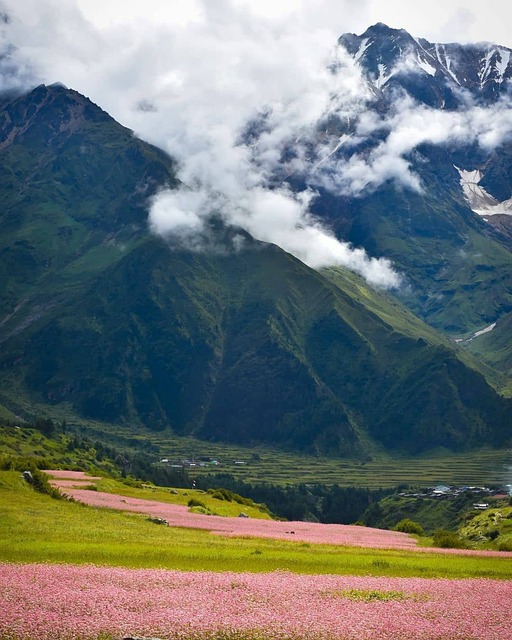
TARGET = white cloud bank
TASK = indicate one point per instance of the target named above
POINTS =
(191, 86)
(189, 77)
(406, 128)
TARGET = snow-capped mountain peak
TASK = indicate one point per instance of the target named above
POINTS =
(432, 73)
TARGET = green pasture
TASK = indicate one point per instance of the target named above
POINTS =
(37, 528)
(214, 505)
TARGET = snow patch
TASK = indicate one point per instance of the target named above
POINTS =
(486, 67)
(496, 60)
(477, 197)
(449, 69)
(382, 78)
(486, 330)
(473, 177)
(446, 63)
(423, 64)
(502, 64)
(362, 48)
(341, 141)
(475, 335)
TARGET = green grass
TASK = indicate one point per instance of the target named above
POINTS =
(182, 497)
(5, 414)
(50, 452)
(35, 528)
(490, 529)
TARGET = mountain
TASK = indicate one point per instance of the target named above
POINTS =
(432, 73)
(67, 210)
(106, 321)
(492, 345)
(453, 237)
(439, 208)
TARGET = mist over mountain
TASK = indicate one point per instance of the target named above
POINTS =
(394, 178)
(237, 293)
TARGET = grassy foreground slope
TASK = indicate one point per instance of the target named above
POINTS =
(37, 528)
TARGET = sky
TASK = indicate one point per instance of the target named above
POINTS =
(435, 20)
(190, 75)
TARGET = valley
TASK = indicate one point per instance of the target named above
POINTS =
(151, 574)
(255, 320)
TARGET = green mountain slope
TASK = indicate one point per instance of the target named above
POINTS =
(73, 192)
(248, 347)
(495, 347)
(456, 269)
(252, 347)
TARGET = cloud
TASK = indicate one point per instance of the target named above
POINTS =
(192, 85)
(242, 94)
(273, 215)
(398, 133)
(285, 86)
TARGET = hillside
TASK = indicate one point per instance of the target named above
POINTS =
(493, 346)
(247, 346)
(193, 348)
(73, 192)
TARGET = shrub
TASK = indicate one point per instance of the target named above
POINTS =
(203, 510)
(40, 482)
(230, 496)
(448, 540)
(505, 545)
(218, 495)
(36, 478)
(193, 502)
(409, 526)
(129, 481)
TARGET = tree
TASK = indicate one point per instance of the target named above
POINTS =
(45, 426)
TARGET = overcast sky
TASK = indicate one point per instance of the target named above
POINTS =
(188, 75)
(436, 20)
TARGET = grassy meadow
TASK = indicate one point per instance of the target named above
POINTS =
(37, 528)
(214, 506)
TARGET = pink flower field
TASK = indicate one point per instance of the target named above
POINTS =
(78, 476)
(312, 532)
(63, 602)
(180, 516)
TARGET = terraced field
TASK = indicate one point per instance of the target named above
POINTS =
(276, 467)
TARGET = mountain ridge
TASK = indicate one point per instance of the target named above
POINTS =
(251, 346)
(483, 68)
